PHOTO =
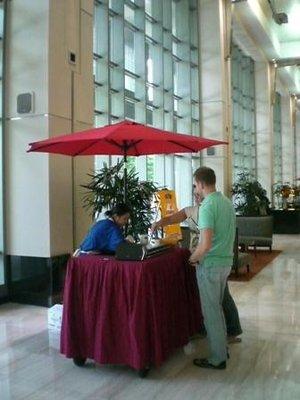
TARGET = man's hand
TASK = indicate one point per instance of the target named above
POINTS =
(194, 259)
(155, 226)
(129, 239)
(203, 247)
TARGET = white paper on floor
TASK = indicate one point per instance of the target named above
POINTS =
(55, 317)
(189, 348)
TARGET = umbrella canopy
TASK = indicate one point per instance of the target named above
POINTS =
(125, 138)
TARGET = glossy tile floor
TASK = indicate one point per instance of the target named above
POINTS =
(266, 365)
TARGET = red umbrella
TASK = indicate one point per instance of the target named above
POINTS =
(125, 138)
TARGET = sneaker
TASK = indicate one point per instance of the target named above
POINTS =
(204, 363)
(200, 335)
(233, 339)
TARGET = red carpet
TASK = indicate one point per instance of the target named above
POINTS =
(259, 261)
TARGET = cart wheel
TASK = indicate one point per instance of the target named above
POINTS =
(79, 361)
(143, 372)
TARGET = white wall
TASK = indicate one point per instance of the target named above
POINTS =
(39, 195)
(26, 175)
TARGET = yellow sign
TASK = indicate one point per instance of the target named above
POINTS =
(167, 206)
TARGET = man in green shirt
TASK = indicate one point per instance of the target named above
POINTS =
(213, 259)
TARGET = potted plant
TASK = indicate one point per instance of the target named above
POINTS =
(249, 197)
(106, 188)
(255, 226)
(284, 195)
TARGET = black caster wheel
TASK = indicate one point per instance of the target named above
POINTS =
(79, 361)
(143, 372)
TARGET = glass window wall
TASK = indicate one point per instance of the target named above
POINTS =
(243, 113)
(146, 70)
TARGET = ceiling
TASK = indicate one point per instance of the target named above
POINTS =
(254, 18)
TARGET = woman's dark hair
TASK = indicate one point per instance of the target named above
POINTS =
(118, 209)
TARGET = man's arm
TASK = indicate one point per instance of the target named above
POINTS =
(203, 247)
(175, 218)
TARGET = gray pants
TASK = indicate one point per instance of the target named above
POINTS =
(211, 283)
(231, 314)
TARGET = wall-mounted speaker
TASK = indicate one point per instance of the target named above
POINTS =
(72, 57)
(210, 151)
(25, 103)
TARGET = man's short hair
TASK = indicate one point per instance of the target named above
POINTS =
(205, 175)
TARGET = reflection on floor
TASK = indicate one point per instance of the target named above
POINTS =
(265, 365)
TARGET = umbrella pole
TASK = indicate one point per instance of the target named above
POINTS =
(73, 166)
(125, 175)
(125, 184)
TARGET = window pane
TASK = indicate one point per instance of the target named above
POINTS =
(183, 181)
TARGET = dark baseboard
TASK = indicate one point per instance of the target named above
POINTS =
(36, 280)
(4, 300)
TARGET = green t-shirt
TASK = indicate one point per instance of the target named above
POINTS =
(217, 213)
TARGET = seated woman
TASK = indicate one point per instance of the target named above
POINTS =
(105, 235)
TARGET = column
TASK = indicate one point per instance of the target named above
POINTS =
(264, 126)
(44, 214)
(297, 143)
(215, 88)
(287, 139)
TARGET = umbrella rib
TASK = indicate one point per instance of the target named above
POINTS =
(41, 146)
(110, 141)
(56, 143)
(182, 145)
(87, 147)
(126, 145)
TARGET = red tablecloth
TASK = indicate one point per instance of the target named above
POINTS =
(129, 312)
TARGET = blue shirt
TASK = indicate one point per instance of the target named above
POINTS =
(104, 236)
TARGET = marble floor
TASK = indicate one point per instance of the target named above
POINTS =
(266, 365)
